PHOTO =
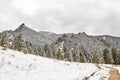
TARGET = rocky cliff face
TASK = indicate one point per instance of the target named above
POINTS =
(68, 46)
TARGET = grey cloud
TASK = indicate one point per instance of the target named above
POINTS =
(91, 16)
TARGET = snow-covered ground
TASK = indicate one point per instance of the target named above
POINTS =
(16, 65)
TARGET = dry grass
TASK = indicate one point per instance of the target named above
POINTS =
(114, 75)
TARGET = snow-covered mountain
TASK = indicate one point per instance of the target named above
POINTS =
(78, 47)
(36, 38)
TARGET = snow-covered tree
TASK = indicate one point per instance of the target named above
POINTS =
(18, 43)
(115, 55)
(4, 41)
(106, 56)
(94, 57)
(59, 55)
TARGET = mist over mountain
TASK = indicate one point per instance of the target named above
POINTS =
(78, 47)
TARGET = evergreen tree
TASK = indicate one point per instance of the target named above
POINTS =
(47, 50)
(64, 35)
(82, 58)
(94, 57)
(29, 47)
(115, 55)
(118, 58)
(74, 55)
(106, 56)
(18, 43)
(67, 56)
(4, 41)
(59, 55)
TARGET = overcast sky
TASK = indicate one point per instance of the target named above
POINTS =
(90, 16)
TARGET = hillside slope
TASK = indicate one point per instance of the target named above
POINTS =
(15, 65)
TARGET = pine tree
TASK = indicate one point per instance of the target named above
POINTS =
(59, 55)
(64, 35)
(74, 55)
(82, 58)
(106, 56)
(29, 47)
(118, 58)
(18, 43)
(94, 57)
(47, 50)
(114, 55)
(4, 41)
(67, 55)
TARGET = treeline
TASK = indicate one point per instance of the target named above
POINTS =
(16, 44)
(61, 51)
